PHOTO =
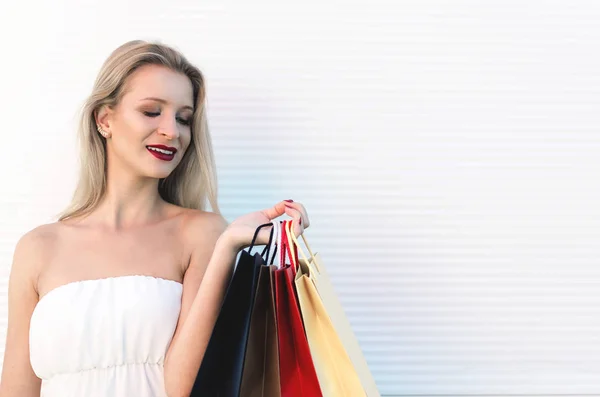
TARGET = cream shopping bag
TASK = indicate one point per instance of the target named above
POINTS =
(341, 367)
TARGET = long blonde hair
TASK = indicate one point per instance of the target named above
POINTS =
(193, 181)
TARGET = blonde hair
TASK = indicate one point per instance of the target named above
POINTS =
(193, 181)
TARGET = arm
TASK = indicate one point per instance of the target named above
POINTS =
(206, 278)
(18, 378)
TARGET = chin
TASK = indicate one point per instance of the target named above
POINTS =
(159, 173)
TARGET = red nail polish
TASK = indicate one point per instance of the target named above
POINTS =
(289, 201)
(300, 222)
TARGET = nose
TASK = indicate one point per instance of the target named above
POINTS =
(170, 130)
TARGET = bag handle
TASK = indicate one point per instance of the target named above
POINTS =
(276, 244)
(286, 246)
(289, 245)
(289, 233)
(283, 245)
(299, 249)
(270, 245)
(267, 248)
(293, 243)
(256, 235)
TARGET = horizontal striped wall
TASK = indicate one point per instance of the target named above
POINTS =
(447, 154)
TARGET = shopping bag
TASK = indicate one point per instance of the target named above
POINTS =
(220, 373)
(296, 370)
(328, 330)
(261, 368)
(335, 371)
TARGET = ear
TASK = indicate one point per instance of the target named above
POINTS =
(104, 117)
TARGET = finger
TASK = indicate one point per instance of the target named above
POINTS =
(304, 215)
(276, 211)
(297, 226)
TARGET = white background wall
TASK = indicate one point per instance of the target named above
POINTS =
(446, 151)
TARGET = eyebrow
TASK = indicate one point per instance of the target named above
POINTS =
(164, 101)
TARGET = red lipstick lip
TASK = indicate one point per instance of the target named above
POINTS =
(172, 149)
(161, 156)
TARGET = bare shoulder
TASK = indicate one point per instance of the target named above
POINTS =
(39, 235)
(201, 230)
(18, 378)
(200, 223)
(32, 248)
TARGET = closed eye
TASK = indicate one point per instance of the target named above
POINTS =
(182, 121)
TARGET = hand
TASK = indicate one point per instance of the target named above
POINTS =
(240, 232)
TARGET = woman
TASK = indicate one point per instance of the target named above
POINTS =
(120, 295)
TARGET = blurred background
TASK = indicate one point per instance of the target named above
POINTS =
(447, 153)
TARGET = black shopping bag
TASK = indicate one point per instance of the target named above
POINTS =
(220, 373)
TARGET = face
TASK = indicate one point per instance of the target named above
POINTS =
(138, 122)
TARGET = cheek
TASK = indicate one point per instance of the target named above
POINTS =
(135, 119)
(136, 126)
(186, 139)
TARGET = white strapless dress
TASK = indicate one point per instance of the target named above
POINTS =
(105, 337)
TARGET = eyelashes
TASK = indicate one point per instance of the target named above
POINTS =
(182, 121)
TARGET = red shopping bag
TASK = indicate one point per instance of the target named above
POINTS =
(297, 373)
